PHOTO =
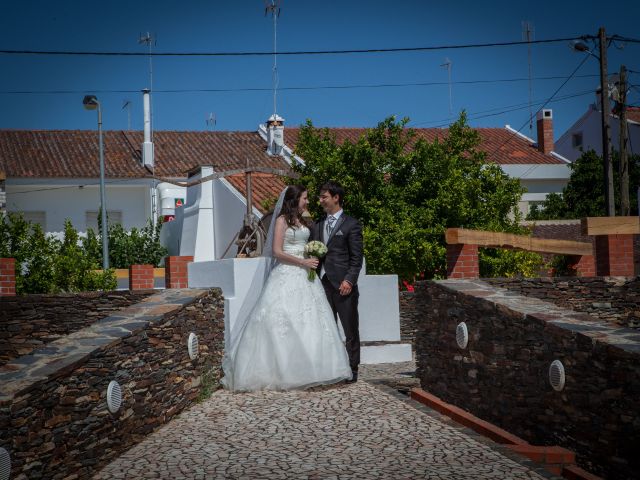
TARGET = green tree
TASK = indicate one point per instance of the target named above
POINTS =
(407, 192)
(584, 194)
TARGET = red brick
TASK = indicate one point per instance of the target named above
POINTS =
(559, 455)
(467, 419)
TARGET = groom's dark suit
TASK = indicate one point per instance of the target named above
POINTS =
(343, 262)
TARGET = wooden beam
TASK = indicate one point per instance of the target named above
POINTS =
(610, 225)
(520, 242)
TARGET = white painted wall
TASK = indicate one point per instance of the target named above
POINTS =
(64, 199)
(539, 180)
(208, 223)
(590, 126)
(230, 209)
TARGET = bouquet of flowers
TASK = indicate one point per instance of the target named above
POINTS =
(314, 248)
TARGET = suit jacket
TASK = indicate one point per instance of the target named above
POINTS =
(344, 256)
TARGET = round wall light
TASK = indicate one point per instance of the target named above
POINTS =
(114, 396)
(462, 335)
(556, 375)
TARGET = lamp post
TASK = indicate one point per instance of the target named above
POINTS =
(91, 102)
(604, 111)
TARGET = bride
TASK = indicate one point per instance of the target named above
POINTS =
(289, 338)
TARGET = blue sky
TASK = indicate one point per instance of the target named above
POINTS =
(215, 26)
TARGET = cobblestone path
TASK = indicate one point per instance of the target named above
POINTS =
(363, 430)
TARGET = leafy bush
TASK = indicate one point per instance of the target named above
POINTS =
(137, 247)
(47, 265)
(509, 263)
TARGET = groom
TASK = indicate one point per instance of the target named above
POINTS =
(340, 268)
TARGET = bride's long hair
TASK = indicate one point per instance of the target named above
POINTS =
(289, 210)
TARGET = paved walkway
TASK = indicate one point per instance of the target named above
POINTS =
(362, 430)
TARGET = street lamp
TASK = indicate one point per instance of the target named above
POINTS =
(91, 102)
(605, 110)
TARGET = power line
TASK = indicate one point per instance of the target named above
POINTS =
(513, 135)
(301, 52)
(292, 88)
(493, 112)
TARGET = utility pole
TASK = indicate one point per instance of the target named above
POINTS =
(606, 135)
(624, 160)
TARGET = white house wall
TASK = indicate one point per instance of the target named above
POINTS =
(60, 202)
(590, 127)
(230, 208)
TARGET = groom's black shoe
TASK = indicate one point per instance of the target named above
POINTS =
(354, 377)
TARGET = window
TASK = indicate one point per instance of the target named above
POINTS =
(36, 217)
(576, 140)
(113, 217)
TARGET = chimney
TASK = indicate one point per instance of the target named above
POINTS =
(147, 145)
(545, 131)
(275, 135)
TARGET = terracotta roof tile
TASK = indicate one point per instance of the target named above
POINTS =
(263, 187)
(633, 113)
(504, 146)
(74, 153)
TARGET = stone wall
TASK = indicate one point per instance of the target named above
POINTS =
(411, 310)
(614, 300)
(28, 322)
(502, 374)
(54, 420)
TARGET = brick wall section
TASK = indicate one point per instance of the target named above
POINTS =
(55, 422)
(585, 265)
(28, 322)
(140, 277)
(615, 301)
(545, 135)
(614, 255)
(502, 375)
(462, 261)
(176, 273)
(7, 277)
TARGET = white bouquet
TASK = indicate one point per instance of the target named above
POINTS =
(314, 248)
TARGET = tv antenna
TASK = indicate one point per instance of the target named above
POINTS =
(273, 7)
(151, 41)
(127, 104)
(211, 120)
(447, 64)
(528, 36)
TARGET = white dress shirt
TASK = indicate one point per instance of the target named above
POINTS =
(325, 234)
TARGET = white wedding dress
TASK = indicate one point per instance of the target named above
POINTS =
(291, 339)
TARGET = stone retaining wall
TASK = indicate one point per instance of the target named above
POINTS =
(502, 374)
(54, 420)
(28, 322)
(409, 316)
(615, 300)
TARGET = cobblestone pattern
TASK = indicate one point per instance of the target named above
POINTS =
(502, 374)
(54, 419)
(28, 322)
(614, 300)
(358, 431)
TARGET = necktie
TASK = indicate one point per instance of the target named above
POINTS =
(330, 221)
